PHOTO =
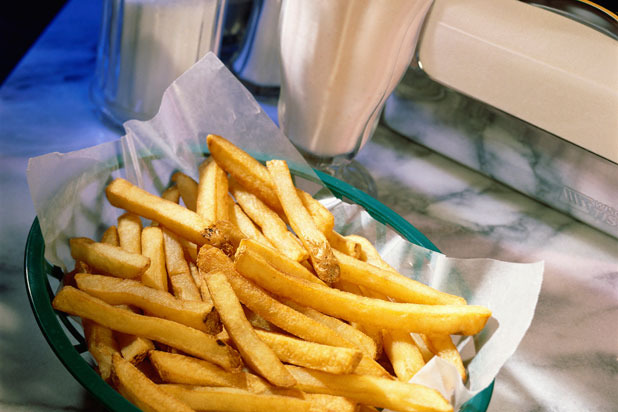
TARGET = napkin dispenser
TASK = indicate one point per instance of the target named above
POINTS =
(527, 95)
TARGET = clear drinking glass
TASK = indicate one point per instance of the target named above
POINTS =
(144, 46)
(340, 60)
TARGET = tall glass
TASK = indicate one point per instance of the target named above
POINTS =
(340, 60)
(144, 46)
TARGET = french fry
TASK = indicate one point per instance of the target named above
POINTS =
(177, 368)
(172, 194)
(310, 354)
(392, 284)
(110, 236)
(152, 247)
(182, 221)
(314, 241)
(176, 335)
(323, 218)
(344, 244)
(141, 391)
(328, 403)
(281, 262)
(196, 314)
(374, 332)
(133, 348)
(107, 258)
(212, 193)
(101, 345)
(178, 270)
(224, 235)
(348, 332)
(187, 187)
(130, 233)
(99, 339)
(245, 169)
(369, 253)
(371, 390)
(431, 319)
(370, 367)
(245, 225)
(443, 346)
(197, 278)
(234, 400)
(421, 342)
(403, 353)
(269, 221)
(259, 356)
(189, 248)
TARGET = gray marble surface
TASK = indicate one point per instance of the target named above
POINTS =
(568, 360)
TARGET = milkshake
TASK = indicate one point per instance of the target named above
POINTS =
(340, 60)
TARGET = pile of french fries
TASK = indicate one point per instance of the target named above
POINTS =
(239, 296)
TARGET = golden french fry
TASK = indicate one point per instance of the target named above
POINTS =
(187, 187)
(314, 241)
(421, 342)
(178, 270)
(405, 356)
(101, 345)
(130, 233)
(384, 393)
(310, 354)
(182, 221)
(443, 346)
(281, 262)
(348, 332)
(177, 368)
(197, 278)
(224, 235)
(250, 173)
(212, 193)
(269, 221)
(110, 236)
(265, 305)
(370, 367)
(172, 194)
(374, 332)
(234, 400)
(329, 403)
(369, 253)
(152, 247)
(432, 319)
(133, 348)
(323, 218)
(108, 259)
(245, 224)
(189, 248)
(259, 356)
(392, 284)
(196, 314)
(141, 391)
(176, 335)
(344, 244)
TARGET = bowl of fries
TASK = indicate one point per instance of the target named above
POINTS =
(234, 292)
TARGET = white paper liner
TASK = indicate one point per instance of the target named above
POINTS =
(68, 194)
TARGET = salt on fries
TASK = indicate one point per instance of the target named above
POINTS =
(246, 299)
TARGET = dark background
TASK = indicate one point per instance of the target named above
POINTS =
(22, 22)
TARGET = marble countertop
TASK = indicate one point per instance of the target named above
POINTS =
(568, 361)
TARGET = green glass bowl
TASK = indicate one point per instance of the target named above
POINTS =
(67, 340)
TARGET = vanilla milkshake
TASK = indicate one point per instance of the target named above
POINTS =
(340, 59)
